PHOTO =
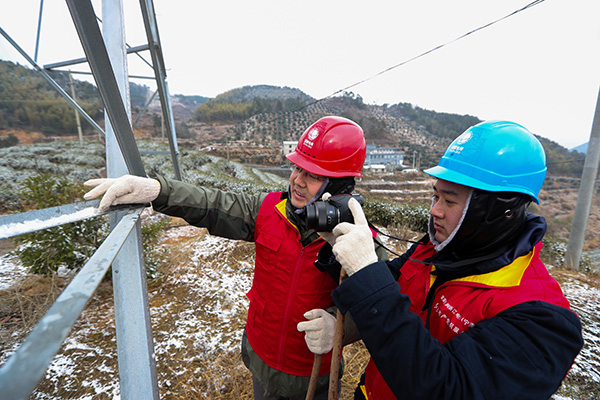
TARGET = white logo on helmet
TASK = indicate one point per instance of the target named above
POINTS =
(464, 138)
(457, 147)
(313, 133)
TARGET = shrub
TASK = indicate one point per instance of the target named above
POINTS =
(11, 140)
(414, 217)
(554, 254)
(71, 245)
(153, 254)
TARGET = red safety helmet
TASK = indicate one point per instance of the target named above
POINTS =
(333, 147)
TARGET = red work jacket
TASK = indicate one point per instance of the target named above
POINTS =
(286, 285)
(461, 303)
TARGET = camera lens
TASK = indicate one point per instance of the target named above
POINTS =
(321, 216)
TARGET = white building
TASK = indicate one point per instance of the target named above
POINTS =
(375, 168)
(288, 146)
(383, 155)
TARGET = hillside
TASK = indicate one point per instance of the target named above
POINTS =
(197, 300)
(245, 124)
(198, 308)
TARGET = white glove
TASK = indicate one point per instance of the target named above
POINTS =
(320, 329)
(354, 242)
(127, 189)
(328, 236)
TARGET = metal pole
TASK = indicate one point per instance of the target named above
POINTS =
(586, 193)
(39, 30)
(25, 368)
(135, 348)
(94, 46)
(149, 17)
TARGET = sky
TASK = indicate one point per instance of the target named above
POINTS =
(539, 67)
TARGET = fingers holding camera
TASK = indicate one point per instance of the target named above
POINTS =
(357, 212)
(328, 236)
(331, 236)
(353, 246)
(124, 190)
(320, 330)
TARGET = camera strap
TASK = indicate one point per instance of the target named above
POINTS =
(391, 237)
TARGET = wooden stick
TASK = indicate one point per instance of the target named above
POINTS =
(337, 350)
(312, 385)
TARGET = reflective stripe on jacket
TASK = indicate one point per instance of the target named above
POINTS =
(460, 304)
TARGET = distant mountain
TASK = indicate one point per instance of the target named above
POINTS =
(582, 148)
(252, 120)
(248, 93)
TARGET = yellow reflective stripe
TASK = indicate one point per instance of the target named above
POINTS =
(281, 208)
(364, 390)
(508, 276)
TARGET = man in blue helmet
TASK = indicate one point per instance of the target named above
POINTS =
(469, 311)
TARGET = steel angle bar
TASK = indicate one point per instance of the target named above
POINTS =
(24, 369)
(94, 47)
(53, 83)
(89, 73)
(145, 107)
(36, 220)
(84, 60)
(160, 73)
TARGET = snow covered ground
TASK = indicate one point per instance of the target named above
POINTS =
(198, 313)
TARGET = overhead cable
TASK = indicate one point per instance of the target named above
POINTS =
(534, 3)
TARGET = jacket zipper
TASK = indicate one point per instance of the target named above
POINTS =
(287, 308)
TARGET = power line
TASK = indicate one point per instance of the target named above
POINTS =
(534, 3)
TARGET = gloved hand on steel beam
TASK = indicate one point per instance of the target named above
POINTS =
(353, 246)
(128, 189)
(320, 330)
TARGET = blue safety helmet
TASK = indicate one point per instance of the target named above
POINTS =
(496, 156)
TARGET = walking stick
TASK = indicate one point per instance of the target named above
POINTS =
(337, 350)
(335, 358)
(312, 385)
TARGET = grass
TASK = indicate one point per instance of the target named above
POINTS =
(198, 308)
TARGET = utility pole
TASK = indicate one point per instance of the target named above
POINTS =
(586, 192)
(162, 127)
(76, 112)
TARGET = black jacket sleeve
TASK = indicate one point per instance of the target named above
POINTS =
(522, 353)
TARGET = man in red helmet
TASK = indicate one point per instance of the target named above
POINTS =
(287, 288)
(469, 311)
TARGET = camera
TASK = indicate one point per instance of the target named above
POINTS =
(323, 216)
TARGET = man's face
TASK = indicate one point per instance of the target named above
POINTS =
(449, 201)
(303, 186)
